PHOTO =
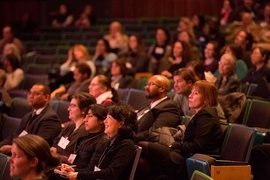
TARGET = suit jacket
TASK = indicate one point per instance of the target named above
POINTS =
(232, 84)
(47, 125)
(115, 163)
(165, 113)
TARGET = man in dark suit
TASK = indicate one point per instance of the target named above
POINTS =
(43, 121)
(160, 112)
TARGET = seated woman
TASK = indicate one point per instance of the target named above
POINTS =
(90, 146)
(202, 135)
(119, 77)
(135, 55)
(73, 131)
(64, 18)
(116, 161)
(11, 48)
(14, 73)
(100, 88)
(31, 158)
(103, 56)
(180, 56)
(160, 51)
(227, 82)
(82, 79)
(211, 57)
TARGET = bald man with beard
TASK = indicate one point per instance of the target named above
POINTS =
(160, 112)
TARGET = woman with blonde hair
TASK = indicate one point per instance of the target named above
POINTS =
(31, 158)
(11, 48)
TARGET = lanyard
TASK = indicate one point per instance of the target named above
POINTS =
(77, 149)
(104, 154)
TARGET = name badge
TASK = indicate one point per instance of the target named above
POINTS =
(71, 158)
(97, 168)
(63, 142)
(159, 50)
(23, 133)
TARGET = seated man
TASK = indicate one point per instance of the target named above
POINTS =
(5, 99)
(9, 37)
(160, 112)
(43, 121)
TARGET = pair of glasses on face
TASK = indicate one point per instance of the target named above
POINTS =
(153, 84)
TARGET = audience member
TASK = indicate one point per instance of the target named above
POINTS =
(264, 19)
(227, 81)
(90, 146)
(260, 161)
(160, 50)
(183, 80)
(250, 6)
(181, 54)
(197, 21)
(185, 24)
(11, 48)
(42, 121)
(116, 161)
(240, 67)
(65, 142)
(160, 112)
(88, 10)
(24, 25)
(100, 88)
(116, 38)
(83, 21)
(14, 73)
(119, 77)
(64, 18)
(197, 68)
(81, 75)
(5, 100)
(31, 158)
(227, 13)
(135, 55)
(9, 37)
(103, 56)
(202, 135)
(211, 57)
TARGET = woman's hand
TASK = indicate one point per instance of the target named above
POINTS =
(72, 175)
(66, 168)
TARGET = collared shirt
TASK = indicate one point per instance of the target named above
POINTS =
(153, 104)
(38, 111)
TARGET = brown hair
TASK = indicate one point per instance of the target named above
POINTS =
(186, 74)
(208, 92)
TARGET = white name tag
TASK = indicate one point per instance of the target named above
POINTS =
(63, 142)
(159, 50)
(23, 133)
(71, 158)
(97, 168)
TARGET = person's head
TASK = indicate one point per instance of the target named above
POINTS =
(226, 64)
(63, 9)
(81, 72)
(246, 18)
(136, 44)
(118, 67)
(234, 49)
(39, 95)
(8, 33)
(11, 48)
(87, 10)
(203, 94)
(183, 79)
(121, 120)
(184, 24)
(78, 104)
(228, 4)
(185, 36)
(157, 87)
(248, 3)
(197, 20)
(103, 46)
(245, 39)
(99, 85)
(181, 49)
(80, 52)
(266, 11)
(115, 27)
(95, 114)
(11, 63)
(197, 68)
(211, 50)
(162, 36)
(31, 156)
(3, 77)
(259, 56)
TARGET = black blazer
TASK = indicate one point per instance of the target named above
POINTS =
(202, 135)
(115, 163)
(47, 125)
(165, 113)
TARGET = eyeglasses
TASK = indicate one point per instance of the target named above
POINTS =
(33, 93)
(152, 84)
(72, 105)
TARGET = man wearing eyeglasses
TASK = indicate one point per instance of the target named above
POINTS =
(160, 112)
(42, 121)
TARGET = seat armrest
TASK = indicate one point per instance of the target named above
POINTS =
(229, 163)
